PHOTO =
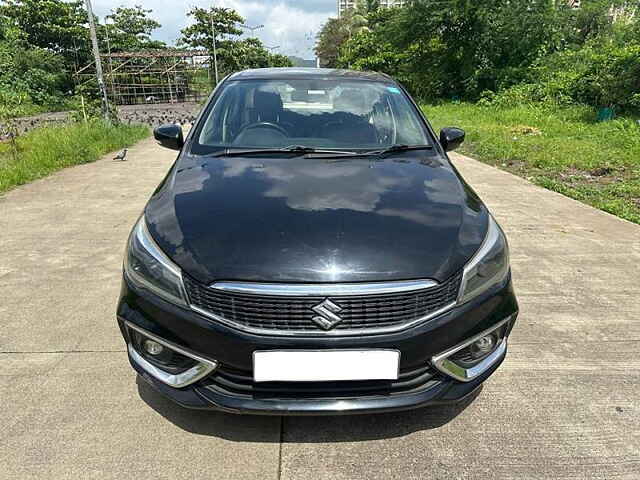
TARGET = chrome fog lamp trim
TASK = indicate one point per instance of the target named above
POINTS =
(453, 370)
(200, 370)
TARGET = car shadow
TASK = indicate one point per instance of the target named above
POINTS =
(322, 429)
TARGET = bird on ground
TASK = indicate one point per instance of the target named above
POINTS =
(121, 156)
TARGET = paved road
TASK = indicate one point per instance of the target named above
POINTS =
(564, 405)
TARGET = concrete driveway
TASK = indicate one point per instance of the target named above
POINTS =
(565, 404)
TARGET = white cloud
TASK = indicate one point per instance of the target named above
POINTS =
(291, 25)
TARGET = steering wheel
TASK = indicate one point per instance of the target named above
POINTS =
(272, 126)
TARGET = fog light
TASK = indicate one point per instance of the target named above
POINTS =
(152, 347)
(473, 357)
(166, 361)
(483, 346)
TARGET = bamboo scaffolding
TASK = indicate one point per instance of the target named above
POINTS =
(156, 76)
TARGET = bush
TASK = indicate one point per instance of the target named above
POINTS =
(601, 75)
(29, 72)
(510, 53)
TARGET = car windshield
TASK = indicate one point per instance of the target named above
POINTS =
(339, 114)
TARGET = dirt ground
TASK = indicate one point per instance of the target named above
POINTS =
(149, 114)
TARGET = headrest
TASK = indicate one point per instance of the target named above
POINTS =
(267, 102)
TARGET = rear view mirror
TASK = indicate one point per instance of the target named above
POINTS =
(451, 138)
(169, 136)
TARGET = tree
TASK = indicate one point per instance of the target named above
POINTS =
(335, 33)
(130, 29)
(56, 25)
(250, 53)
(279, 60)
(200, 33)
(28, 74)
(456, 48)
(370, 6)
(232, 54)
(331, 36)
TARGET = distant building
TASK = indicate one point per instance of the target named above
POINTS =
(347, 4)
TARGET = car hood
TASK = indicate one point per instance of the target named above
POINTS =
(300, 219)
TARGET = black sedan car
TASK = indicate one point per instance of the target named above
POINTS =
(314, 251)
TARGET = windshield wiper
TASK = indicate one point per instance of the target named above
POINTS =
(321, 153)
(400, 148)
(297, 149)
(383, 151)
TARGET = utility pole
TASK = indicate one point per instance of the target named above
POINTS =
(96, 55)
(215, 55)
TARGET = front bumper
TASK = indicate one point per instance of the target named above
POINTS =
(232, 350)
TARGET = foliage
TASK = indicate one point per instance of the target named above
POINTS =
(560, 148)
(526, 51)
(13, 104)
(301, 62)
(596, 74)
(232, 54)
(43, 41)
(129, 29)
(40, 43)
(55, 25)
(599, 18)
(337, 31)
(462, 48)
(47, 149)
(30, 73)
(199, 34)
(330, 38)
(86, 106)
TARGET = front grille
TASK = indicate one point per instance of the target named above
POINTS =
(291, 313)
(239, 383)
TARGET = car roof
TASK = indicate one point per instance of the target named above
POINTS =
(305, 73)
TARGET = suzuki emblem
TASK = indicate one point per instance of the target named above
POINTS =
(327, 318)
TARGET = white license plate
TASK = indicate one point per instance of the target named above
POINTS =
(325, 365)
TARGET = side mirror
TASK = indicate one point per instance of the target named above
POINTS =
(169, 136)
(451, 138)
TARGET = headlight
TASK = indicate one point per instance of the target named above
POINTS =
(146, 266)
(489, 266)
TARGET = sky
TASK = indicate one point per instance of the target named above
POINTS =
(291, 24)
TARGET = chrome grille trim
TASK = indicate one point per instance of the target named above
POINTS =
(322, 333)
(322, 289)
(255, 311)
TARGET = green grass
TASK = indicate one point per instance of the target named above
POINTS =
(48, 149)
(564, 150)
